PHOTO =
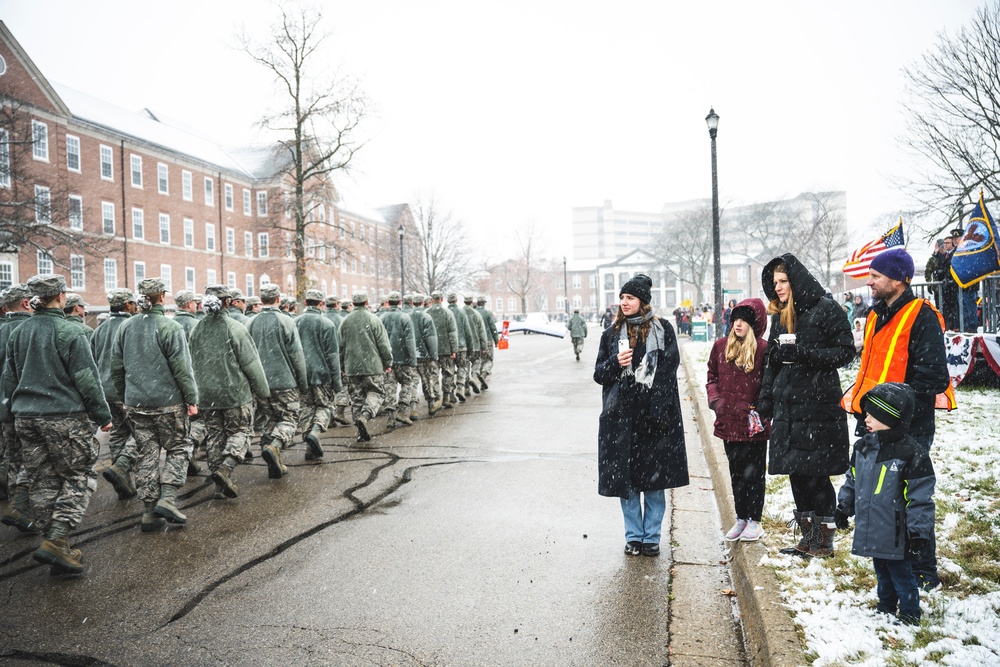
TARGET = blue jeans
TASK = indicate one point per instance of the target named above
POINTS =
(644, 518)
(897, 585)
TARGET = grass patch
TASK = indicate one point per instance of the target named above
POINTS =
(976, 545)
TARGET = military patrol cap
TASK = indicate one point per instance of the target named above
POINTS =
(332, 300)
(314, 295)
(418, 298)
(253, 300)
(184, 297)
(237, 295)
(198, 298)
(73, 299)
(345, 303)
(408, 299)
(452, 297)
(118, 297)
(271, 292)
(436, 294)
(393, 297)
(468, 298)
(481, 300)
(47, 285)
(220, 291)
(4, 294)
(152, 286)
(15, 293)
(359, 298)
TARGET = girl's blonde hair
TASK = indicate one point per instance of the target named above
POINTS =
(634, 333)
(741, 351)
(786, 309)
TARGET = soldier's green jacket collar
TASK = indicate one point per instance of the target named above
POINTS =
(51, 312)
(157, 309)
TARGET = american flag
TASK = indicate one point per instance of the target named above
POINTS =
(860, 261)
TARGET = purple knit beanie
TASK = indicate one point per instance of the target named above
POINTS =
(894, 263)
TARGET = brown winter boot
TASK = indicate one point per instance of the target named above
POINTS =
(823, 534)
(806, 522)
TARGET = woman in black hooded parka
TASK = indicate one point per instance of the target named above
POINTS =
(801, 387)
(641, 439)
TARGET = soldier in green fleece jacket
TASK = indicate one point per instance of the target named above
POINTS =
(157, 388)
(367, 358)
(229, 375)
(321, 347)
(52, 389)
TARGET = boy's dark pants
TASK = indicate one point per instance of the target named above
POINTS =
(897, 585)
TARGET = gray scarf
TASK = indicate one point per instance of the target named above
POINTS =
(654, 343)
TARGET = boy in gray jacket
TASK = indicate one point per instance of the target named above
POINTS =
(890, 490)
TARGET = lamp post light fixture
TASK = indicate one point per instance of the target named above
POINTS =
(565, 287)
(402, 287)
(712, 120)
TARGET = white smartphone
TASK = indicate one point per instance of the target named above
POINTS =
(622, 345)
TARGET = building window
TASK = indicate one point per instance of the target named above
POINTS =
(164, 228)
(263, 248)
(364, 264)
(499, 305)
(136, 161)
(140, 272)
(512, 305)
(593, 281)
(4, 159)
(362, 233)
(108, 217)
(231, 279)
(262, 203)
(209, 236)
(107, 168)
(741, 274)
(247, 203)
(250, 285)
(167, 276)
(229, 197)
(248, 244)
(138, 224)
(209, 191)
(77, 279)
(230, 241)
(110, 274)
(577, 301)
(188, 233)
(43, 205)
(576, 282)
(76, 213)
(162, 179)
(189, 278)
(39, 140)
(210, 277)
(609, 281)
(186, 185)
(44, 260)
(73, 153)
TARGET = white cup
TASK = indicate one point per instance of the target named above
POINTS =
(786, 339)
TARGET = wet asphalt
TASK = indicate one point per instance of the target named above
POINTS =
(472, 538)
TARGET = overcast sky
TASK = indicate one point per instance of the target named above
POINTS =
(517, 111)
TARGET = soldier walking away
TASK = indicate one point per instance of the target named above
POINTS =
(76, 310)
(402, 341)
(427, 355)
(492, 334)
(577, 332)
(342, 400)
(447, 332)
(229, 375)
(237, 305)
(321, 348)
(186, 317)
(124, 453)
(477, 341)
(462, 353)
(52, 388)
(367, 357)
(280, 350)
(150, 367)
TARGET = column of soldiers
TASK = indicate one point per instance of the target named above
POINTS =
(218, 372)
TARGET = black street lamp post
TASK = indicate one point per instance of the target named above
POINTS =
(712, 119)
(565, 287)
(402, 288)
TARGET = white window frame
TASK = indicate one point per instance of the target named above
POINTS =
(4, 158)
(108, 215)
(188, 233)
(75, 218)
(162, 178)
(133, 162)
(251, 283)
(39, 140)
(228, 189)
(187, 189)
(263, 245)
(231, 279)
(190, 278)
(209, 191)
(499, 305)
(247, 202)
(107, 154)
(211, 278)
(77, 273)
(43, 205)
(138, 218)
(230, 241)
(248, 244)
(139, 271)
(209, 237)
(110, 274)
(165, 228)
(167, 276)
(44, 261)
(73, 150)
(261, 203)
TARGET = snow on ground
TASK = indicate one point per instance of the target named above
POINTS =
(833, 600)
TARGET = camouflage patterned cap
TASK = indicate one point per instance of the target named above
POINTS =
(46, 285)
(237, 295)
(198, 298)
(152, 286)
(417, 298)
(119, 296)
(15, 293)
(481, 300)
(345, 304)
(314, 295)
(359, 298)
(184, 297)
(253, 301)
(332, 300)
(407, 299)
(271, 292)
(436, 294)
(468, 298)
(220, 291)
(73, 300)
(452, 297)
(393, 297)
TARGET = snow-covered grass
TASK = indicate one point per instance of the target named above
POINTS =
(832, 601)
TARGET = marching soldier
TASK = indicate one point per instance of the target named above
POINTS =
(477, 340)
(402, 340)
(493, 335)
(237, 304)
(321, 347)
(367, 357)
(427, 355)
(462, 353)
(447, 335)
(76, 310)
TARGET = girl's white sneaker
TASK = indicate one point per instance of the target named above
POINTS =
(734, 533)
(752, 532)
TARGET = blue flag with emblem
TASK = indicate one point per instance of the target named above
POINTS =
(977, 254)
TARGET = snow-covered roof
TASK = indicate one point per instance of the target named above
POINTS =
(359, 210)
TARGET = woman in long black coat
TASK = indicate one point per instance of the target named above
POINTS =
(641, 440)
(809, 436)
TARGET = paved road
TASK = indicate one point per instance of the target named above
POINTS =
(473, 538)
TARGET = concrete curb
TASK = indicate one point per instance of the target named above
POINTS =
(771, 638)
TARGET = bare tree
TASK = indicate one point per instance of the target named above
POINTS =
(520, 274)
(445, 261)
(954, 119)
(761, 231)
(684, 248)
(824, 235)
(317, 118)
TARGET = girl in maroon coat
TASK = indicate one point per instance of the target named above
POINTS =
(735, 371)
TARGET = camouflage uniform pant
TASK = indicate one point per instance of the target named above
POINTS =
(487, 362)
(475, 365)
(229, 434)
(448, 369)
(366, 395)
(461, 372)
(317, 408)
(577, 345)
(429, 373)
(280, 417)
(406, 377)
(59, 457)
(13, 456)
(166, 429)
(197, 434)
(122, 440)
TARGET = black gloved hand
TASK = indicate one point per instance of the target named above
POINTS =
(915, 545)
(765, 408)
(790, 353)
(842, 520)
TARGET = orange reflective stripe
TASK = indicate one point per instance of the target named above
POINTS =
(902, 332)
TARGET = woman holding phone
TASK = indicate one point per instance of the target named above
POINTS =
(641, 436)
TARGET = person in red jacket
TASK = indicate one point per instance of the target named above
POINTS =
(735, 370)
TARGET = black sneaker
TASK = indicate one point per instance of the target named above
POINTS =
(650, 549)
(362, 424)
(633, 548)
